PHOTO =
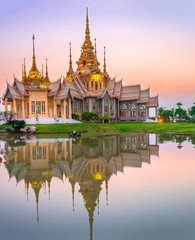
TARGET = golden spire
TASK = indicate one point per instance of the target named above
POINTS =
(95, 48)
(34, 66)
(42, 72)
(24, 69)
(104, 60)
(70, 71)
(87, 32)
(70, 61)
(46, 74)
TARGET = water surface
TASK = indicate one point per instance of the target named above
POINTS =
(138, 186)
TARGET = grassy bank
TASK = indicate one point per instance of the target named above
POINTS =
(90, 128)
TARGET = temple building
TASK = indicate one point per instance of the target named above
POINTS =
(87, 89)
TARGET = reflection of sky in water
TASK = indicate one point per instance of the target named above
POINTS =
(151, 197)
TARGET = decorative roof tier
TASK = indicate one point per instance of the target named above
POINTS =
(88, 60)
(35, 78)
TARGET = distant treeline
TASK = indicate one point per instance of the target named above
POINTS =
(177, 114)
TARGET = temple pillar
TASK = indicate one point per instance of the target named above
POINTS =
(14, 106)
(102, 107)
(90, 107)
(147, 113)
(61, 108)
(156, 118)
(46, 108)
(11, 106)
(69, 109)
(6, 105)
(114, 109)
(109, 106)
(137, 113)
(64, 116)
(55, 108)
(23, 114)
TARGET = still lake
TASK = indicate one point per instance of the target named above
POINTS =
(135, 186)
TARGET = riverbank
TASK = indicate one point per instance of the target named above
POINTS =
(90, 128)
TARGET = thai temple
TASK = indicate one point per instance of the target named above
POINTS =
(86, 89)
(88, 163)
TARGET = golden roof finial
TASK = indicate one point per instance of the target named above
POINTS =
(95, 48)
(104, 60)
(34, 66)
(70, 61)
(42, 72)
(24, 69)
(46, 73)
(87, 32)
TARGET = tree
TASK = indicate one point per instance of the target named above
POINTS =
(160, 112)
(192, 111)
(180, 112)
(166, 114)
(179, 104)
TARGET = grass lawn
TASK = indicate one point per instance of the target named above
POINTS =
(108, 128)
(90, 128)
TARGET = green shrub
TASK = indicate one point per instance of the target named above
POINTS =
(106, 116)
(75, 116)
(87, 116)
(14, 123)
(192, 120)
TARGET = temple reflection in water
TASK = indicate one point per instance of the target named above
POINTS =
(88, 162)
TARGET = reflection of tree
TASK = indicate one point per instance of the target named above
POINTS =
(163, 138)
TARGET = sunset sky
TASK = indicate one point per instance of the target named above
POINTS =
(148, 42)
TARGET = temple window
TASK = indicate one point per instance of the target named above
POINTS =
(92, 84)
(133, 111)
(112, 103)
(100, 85)
(43, 107)
(33, 107)
(123, 109)
(96, 86)
(142, 110)
(106, 104)
(38, 107)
